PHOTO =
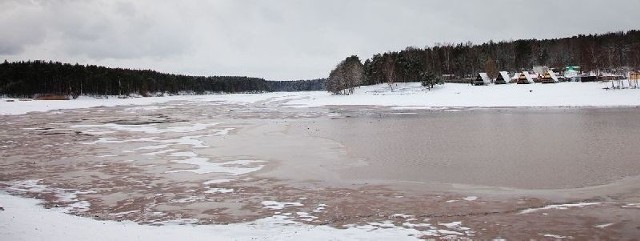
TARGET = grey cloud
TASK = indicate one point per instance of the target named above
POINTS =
(119, 30)
(20, 27)
(281, 39)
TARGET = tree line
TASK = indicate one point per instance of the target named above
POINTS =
(29, 78)
(610, 51)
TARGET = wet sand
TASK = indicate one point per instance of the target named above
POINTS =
(207, 162)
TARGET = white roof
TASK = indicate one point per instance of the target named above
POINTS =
(553, 76)
(528, 76)
(505, 75)
(570, 73)
(485, 78)
(516, 76)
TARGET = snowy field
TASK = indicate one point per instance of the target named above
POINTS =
(404, 95)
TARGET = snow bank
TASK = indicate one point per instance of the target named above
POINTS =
(17, 107)
(407, 95)
(412, 95)
(23, 219)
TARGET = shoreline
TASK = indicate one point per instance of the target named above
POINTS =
(406, 96)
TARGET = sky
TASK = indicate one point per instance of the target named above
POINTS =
(280, 39)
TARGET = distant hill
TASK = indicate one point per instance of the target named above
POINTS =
(30, 78)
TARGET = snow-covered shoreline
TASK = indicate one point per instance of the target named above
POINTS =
(412, 95)
(404, 95)
(24, 219)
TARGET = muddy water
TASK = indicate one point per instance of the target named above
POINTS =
(206, 163)
(526, 149)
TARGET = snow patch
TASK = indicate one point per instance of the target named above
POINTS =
(217, 181)
(321, 207)
(273, 205)
(304, 216)
(204, 166)
(559, 207)
(556, 236)
(219, 190)
(632, 205)
(400, 215)
(66, 197)
(152, 128)
(470, 198)
(604, 225)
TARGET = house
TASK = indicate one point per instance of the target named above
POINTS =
(588, 78)
(515, 78)
(634, 78)
(482, 79)
(526, 78)
(609, 77)
(540, 70)
(549, 77)
(503, 78)
(572, 73)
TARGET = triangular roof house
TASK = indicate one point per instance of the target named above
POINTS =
(634, 79)
(525, 78)
(549, 77)
(482, 79)
(553, 76)
(515, 77)
(485, 78)
(503, 78)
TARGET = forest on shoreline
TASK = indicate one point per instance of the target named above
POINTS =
(614, 52)
(33, 78)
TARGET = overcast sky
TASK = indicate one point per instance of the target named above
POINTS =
(280, 39)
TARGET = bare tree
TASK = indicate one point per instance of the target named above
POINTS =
(389, 69)
(490, 68)
(346, 76)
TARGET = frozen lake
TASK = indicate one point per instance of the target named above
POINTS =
(518, 148)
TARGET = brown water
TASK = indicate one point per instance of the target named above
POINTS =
(529, 149)
(315, 156)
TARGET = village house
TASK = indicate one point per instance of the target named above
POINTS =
(503, 78)
(482, 79)
(549, 77)
(526, 78)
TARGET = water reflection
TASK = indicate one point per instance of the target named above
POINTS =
(512, 148)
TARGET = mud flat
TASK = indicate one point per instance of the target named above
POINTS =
(453, 173)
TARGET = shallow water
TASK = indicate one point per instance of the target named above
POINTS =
(219, 163)
(518, 148)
